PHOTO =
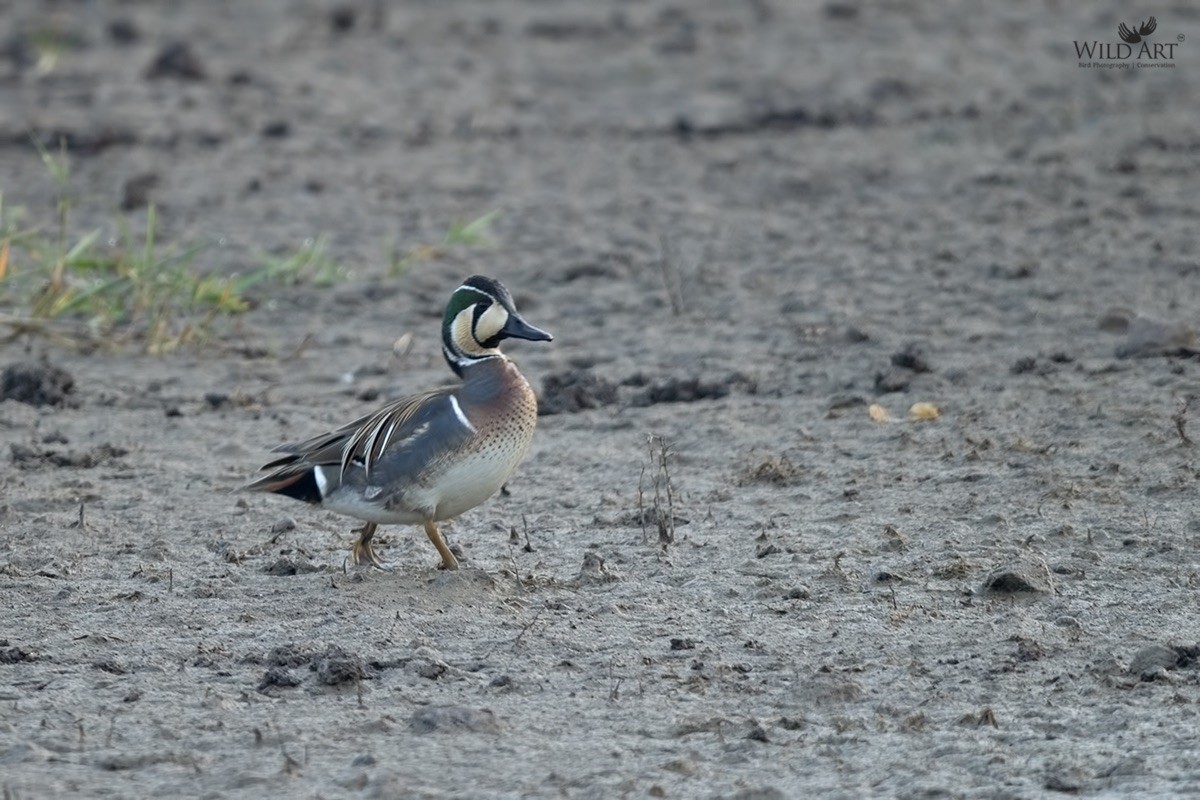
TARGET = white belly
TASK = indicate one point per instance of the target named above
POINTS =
(469, 483)
(462, 486)
(357, 506)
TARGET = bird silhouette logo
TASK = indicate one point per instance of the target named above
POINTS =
(1135, 36)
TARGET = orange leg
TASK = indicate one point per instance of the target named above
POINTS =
(362, 551)
(435, 536)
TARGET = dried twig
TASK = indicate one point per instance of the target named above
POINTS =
(642, 501)
(299, 349)
(59, 332)
(1181, 418)
(528, 548)
(668, 263)
(614, 692)
(528, 626)
(664, 491)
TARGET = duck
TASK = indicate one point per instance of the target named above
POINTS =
(427, 458)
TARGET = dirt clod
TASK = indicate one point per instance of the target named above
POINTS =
(1023, 365)
(283, 525)
(594, 570)
(1024, 575)
(1152, 662)
(111, 665)
(285, 565)
(36, 384)
(573, 391)
(287, 655)
(1147, 338)
(453, 719)
(278, 676)
(124, 31)
(16, 655)
(176, 60)
(686, 390)
(136, 192)
(429, 664)
(912, 358)
(342, 18)
(335, 666)
(1115, 320)
(773, 471)
(27, 457)
(892, 380)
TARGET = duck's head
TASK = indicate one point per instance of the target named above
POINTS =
(478, 317)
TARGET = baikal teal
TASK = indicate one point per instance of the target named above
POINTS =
(432, 456)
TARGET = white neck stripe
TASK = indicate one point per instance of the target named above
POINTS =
(464, 360)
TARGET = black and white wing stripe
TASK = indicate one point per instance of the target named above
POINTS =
(374, 433)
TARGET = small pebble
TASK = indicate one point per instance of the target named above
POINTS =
(1023, 575)
(1150, 337)
(1151, 661)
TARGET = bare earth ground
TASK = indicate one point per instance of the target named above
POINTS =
(919, 202)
